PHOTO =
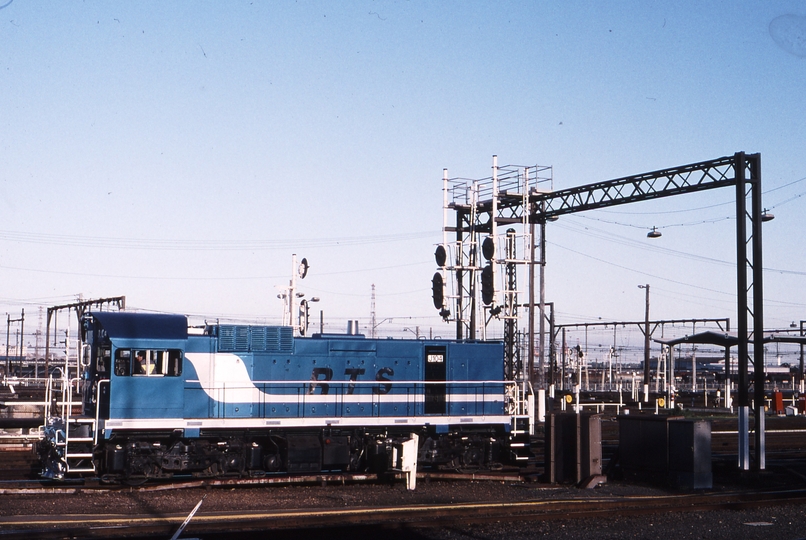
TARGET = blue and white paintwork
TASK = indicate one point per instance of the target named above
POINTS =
(159, 401)
(252, 377)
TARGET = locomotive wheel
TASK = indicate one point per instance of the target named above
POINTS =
(272, 462)
(473, 457)
(357, 454)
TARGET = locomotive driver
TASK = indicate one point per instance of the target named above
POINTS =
(142, 366)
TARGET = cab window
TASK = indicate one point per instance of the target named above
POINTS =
(102, 357)
(148, 362)
(122, 362)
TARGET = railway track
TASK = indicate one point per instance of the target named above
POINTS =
(785, 440)
(93, 485)
(786, 452)
(217, 524)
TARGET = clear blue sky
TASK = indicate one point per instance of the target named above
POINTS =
(179, 153)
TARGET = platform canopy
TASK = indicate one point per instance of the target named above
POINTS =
(710, 337)
(784, 338)
(728, 339)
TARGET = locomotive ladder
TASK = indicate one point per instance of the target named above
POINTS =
(519, 440)
(78, 444)
(79, 434)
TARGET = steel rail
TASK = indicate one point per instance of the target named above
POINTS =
(439, 515)
(35, 487)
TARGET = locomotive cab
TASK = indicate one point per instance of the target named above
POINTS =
(115, 356)
(136, 365)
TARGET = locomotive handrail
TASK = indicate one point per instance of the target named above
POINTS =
(68, 389)
(383, 381)
(48, 391)
(67, 413)
(477, 398)
(98, 410)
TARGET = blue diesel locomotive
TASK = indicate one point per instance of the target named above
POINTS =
(160, 399)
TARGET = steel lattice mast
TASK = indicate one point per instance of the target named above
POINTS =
(480, 209)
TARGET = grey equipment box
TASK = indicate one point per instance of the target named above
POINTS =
(690, 454)
(663, 449)
(573, 447)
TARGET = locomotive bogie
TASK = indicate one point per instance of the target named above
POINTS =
(255, 454)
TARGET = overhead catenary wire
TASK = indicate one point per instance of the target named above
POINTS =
(206, 245)
(729, 295)
(202, 278)
(657, 248)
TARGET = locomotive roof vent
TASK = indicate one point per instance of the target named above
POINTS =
(352, 333)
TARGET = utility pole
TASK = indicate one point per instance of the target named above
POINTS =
(21, 350)
(542, 323)
(646, 344)
(800, 368)
(531, 357)
(372, 314)
(8, 328)
(9, 320)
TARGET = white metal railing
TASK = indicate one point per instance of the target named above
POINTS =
(300, 394)
(63, 428)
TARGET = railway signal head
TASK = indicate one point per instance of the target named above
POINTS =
(487, 285)
(437, 290)
(441, 256)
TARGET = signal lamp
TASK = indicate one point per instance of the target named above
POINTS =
(488, 248)
(441, 255)
(437, 285)
(487, 285)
